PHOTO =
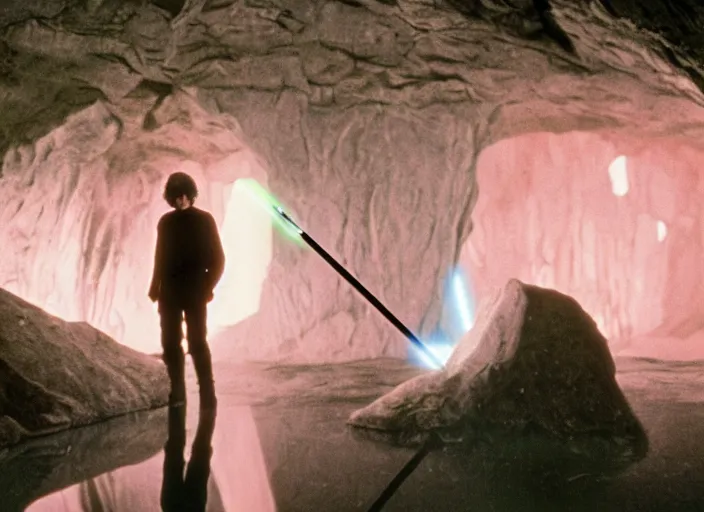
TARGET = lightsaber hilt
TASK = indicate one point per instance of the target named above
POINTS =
(361, 289)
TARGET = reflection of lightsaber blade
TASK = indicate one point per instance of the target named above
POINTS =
(360, 288)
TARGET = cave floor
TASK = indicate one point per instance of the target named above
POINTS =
(281, 443)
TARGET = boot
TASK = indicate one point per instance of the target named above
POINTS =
(177, 397)
(175, 366)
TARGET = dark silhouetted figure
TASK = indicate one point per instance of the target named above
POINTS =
(189, 492)
(189, 262)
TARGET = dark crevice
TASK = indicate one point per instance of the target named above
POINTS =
(161, 89)
(694, 74)
(288, 21)
(527, 21)
(554, 30)
(352, 3)
(216, 5)
(609, 8)
(680, 22)
(173, 7)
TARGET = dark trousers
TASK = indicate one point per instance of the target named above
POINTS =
(172, 316)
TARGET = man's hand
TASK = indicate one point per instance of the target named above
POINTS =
(153, 295)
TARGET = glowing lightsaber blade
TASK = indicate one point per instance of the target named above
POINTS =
(291, 229)
(359, 287)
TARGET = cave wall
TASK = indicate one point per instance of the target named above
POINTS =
(548, 213)
(366, 118)
(78, 227)
(374, 207)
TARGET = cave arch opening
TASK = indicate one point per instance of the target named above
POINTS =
(79, 232)
(246, 234)
(611, 221)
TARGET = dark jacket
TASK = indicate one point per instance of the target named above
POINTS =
(189, 259)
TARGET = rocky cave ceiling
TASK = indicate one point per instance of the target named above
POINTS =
(366, 118)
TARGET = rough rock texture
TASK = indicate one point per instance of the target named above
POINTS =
(535, 361)
(84, 195)
(55, 375)
(633, 261)
(367, 118)
(678, 22)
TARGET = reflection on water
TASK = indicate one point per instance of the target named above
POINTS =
(224, 472)
(300, 447)
(45, 465)
(238, 468)
(179, 493)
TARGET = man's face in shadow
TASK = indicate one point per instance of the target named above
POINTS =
(182, 202)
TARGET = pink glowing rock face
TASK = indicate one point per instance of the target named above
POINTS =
(614, 223)
(79, 228)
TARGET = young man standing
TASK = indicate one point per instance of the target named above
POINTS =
(188, 263)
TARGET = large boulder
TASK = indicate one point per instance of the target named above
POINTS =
(535, 362)
(55, 374)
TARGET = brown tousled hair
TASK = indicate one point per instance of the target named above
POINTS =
(179, 184)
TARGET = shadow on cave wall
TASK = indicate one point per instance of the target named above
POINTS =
(32, 104)
(680, 23)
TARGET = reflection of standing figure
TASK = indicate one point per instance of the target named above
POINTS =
(188, 264)
(189, 494)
